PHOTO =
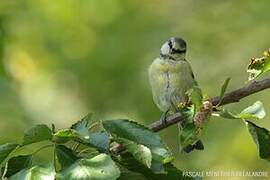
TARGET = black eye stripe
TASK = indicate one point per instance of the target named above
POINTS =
(170, 44)
(177, 51)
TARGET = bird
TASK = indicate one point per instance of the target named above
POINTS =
(170, 77)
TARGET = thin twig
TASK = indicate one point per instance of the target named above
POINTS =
(237, 95)
(231, 97)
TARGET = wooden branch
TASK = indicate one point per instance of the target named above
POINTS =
(237, 95)
(231, 97)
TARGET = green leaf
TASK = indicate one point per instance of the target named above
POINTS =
(5, 150)
(133, 131)
(65, 156)
(34, 173)
(101, 167)
(157, 166)
(189, 135)
(196, 97)
(225, 113)
(223, 89)
(129, 165)
(255, 111)
(259, 66)
(139, 134)
(18, 163)
(82, 127)
(130, 175)
(29, 149)
(99, 140)
(173, 173)
(140, 152)
(261, 137)
(37, 133)
(65, 135)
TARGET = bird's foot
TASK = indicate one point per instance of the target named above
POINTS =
(163, 118)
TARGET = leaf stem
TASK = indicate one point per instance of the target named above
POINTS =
(85, 150)
(5, 171)
(54, 157)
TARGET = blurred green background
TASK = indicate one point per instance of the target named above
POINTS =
(62, 59)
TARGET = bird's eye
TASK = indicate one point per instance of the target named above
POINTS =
(174, 51)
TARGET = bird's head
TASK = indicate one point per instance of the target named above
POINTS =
(175, 49)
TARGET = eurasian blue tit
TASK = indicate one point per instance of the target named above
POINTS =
(170, 77)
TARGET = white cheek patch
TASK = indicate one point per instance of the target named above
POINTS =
(165, 49)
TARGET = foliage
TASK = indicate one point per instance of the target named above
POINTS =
(70, 162)
(261, 137)
(145, 155)
(99, 167)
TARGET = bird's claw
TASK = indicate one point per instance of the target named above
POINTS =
(163, 118)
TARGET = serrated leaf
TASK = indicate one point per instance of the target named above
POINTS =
(133, 131)
(82, 127)
(99, 140)
(37, 133)
(15, 164)
(5, 150)
(130, 175)
(259, 66)
(170, 172)
(65, 135)
(189, 135)
(255, 111)
(35, 173)
(157, 166)
(173, 173)
(29, 149)
(65, 156)
(261, 137)
(196, 97)
(223, 89)
(140, 152)
(139, 134)
(101, 167)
